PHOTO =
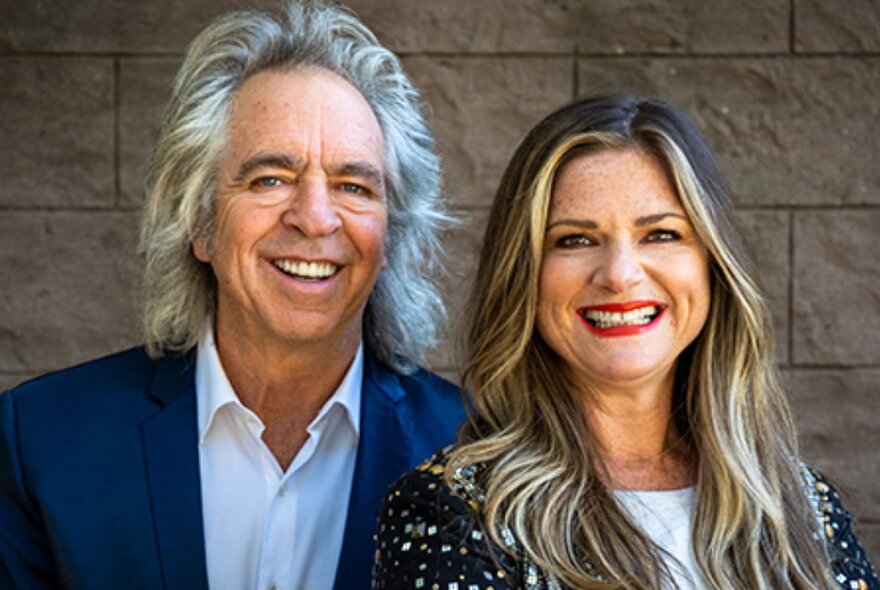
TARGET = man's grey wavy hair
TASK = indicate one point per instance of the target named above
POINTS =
(179, 292)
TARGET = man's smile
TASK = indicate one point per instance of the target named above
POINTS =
(306, 270)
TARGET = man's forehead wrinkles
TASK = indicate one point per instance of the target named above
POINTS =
(334, 165)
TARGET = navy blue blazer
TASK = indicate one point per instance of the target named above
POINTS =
(99, 472)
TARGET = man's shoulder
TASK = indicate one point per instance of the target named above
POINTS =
(418, 386)
(83, 407)
(432, 407)
(428, 394)
(125, 370)
(425, 382)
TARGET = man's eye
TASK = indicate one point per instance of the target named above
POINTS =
(573, 241)
(663, 235)
(353, 188)
(267, 182)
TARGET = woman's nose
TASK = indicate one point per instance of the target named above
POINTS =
(620, 269)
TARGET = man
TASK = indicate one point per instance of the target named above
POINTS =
(291, 221)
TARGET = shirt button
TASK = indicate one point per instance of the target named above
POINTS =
(272, 587)
(281, 491)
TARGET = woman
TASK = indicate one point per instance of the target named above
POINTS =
(628, 429)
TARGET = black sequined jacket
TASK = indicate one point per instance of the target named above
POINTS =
(429, 537)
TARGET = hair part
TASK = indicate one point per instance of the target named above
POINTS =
(543, 476)
(403, 312)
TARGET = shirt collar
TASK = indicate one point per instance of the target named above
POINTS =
(347, 395)
(214, 391)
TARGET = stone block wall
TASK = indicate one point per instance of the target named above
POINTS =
(786, 90)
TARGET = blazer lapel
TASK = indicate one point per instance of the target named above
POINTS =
(172, 462)
(383, 455)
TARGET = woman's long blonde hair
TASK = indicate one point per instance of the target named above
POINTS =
(754, 527)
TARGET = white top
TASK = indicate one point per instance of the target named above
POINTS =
(265, 528)
(665, 516)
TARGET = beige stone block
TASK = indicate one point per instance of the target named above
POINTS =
(448, 26)
(767, 236)
(56, 132)
(836, 412)
(481, 108)
(69, 291)
(633, 26)
(110, 26)
(463, 246)
(144, 89)
(834, 27)
(836, 287)
(694, 26)
(786, 131)
(746, 26)
(464, 26)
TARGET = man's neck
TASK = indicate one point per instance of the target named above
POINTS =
(285, 387)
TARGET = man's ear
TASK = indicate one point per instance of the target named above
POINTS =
(200, 247)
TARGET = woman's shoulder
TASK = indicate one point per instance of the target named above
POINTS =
(426, 491)
(431, 477)
(430, 532)
(423, 503)
(850, 564)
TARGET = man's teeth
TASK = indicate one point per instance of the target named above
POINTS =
(307, 270)
(611, 319)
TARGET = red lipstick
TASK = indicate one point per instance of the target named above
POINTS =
(594, 324)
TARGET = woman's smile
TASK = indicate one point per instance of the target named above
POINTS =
(622, 319)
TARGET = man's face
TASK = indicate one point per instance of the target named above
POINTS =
(300, 213)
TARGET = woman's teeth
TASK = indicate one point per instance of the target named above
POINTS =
(612, 319)
(312, 271)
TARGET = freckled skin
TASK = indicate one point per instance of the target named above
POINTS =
(597, 252)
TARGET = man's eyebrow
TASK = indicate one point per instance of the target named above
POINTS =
(266, 160)
(657, 217)
(362, 169)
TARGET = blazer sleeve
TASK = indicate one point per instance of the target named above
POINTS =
(25, 557)
(429, 537)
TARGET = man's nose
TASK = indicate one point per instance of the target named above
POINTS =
(311, 209)
(620, 269)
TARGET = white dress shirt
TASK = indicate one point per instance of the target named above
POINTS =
(665, 516)
(266, 528)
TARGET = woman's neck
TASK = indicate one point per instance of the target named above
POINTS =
(637, 439)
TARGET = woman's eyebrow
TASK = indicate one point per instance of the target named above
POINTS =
(641, 221)
(651, 219)
(584, 223)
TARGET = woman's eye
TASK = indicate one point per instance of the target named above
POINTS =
(663, 235)
(573, 241)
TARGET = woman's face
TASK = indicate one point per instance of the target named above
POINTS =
(624, 284)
